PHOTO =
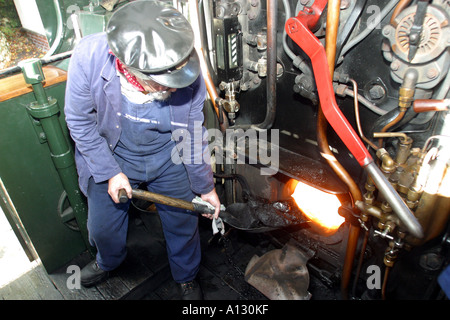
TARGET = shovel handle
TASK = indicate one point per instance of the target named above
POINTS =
(123, 198)
(157, 198)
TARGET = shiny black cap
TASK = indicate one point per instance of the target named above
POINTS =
(154, 41)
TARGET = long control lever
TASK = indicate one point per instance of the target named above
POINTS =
(298, 29)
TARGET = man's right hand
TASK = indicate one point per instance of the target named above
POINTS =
(119, 181)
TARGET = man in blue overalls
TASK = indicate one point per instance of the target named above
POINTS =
(134, 102)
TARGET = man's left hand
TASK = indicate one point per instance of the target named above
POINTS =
(213, 199)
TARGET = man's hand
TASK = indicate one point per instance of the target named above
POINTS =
(213, 199)
(119, 181)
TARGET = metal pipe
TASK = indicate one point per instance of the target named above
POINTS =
(427, 105)
(332, 27)
(210, 87)
(360, 260)
(372, 107)
(16, 224)
(406, 96)
(333, 13)
(362, 35)
(46, 111)
(44, 61)
(399, 8)
(358, 120)
(272, 10)
(210, 45)
(394, 121)
(385, 280)
(353, 234)
(322, 139)
(57, 42)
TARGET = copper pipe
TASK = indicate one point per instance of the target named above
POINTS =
(400, 135)
(358, 120)
(405, 99)
(333, 11)
(361, 259)
(212, 91)
(391, 124)
(394, 122)
(330, 48)
(384, 285)
(426, 105)
(215, 99)
(399, 8)
(322, 139)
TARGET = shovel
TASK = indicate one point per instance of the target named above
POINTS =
(237, 215)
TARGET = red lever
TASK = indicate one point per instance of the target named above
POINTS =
(297, 29)
(311, 15)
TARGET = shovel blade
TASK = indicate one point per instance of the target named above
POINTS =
(239, 216)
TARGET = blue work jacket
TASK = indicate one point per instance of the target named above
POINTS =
(93, 103)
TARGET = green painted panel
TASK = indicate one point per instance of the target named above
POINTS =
(93, 22)
(32, 181)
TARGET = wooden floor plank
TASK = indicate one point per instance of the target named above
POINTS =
(32, 285)
(132, 272)
(82, 293)
(44, 287)
(113, 288)
(20, 289)
(150, 285)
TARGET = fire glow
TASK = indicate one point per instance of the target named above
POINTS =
(320, 207)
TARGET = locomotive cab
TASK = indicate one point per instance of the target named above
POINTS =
(329, 135)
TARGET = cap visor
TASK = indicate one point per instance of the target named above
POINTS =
(179, 78)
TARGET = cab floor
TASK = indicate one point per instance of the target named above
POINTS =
(145, 273)
(222, 269)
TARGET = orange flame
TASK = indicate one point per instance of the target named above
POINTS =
(319, 206)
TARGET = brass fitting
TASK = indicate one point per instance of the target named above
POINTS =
(403, 150)
(388, 165)
(386, 207)
(406, 92)
(405, 99)
(413, 197)
(390, 256)
(369, 198)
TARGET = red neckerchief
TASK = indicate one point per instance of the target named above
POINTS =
(130, 78)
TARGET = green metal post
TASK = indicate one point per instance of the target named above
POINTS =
(45, 110)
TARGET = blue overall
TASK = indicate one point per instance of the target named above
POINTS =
(144, 154)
